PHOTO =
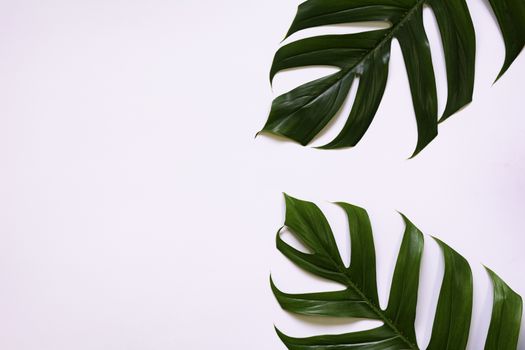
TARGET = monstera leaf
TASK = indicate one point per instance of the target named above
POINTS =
(303, 112)
(359, 298)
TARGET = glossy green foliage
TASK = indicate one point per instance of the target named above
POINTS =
(511, 19)
(359, 296)
(506, 316)
(303, 112)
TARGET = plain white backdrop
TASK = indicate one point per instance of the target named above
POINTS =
(137, 211)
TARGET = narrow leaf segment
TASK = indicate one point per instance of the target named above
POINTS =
(507, 310)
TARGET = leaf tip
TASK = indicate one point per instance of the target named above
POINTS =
(406, 220)
(273, 286)
(280, 334)
(501, 73)
(438, 241)
(287, 198)
(416, 152)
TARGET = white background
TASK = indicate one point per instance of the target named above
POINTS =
(137, 211)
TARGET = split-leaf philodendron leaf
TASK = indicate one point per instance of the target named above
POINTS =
(359, 298)
(303, 112)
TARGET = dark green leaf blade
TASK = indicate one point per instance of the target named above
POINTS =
(405, 283)
(459, 45)
(362, 269)
(303, 119)
(375, 339)
(303, 112)
(372, 85)
(327, 50)
(505, 323)
(317, 264)
(314, 13)
(416, 52)
(511, 19)
(454, 310)
(308, 222)
(344, 303)
(358, 299)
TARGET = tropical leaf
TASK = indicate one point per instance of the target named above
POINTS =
(303, 112)
(504, 327)
(359, 298)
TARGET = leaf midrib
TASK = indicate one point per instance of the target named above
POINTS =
(378, 311)
(388, 36)
(347, 70)
(375, 308)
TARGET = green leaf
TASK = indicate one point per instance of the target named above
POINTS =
(454, 310)
(511, 19)
(303, 112)
(358, 297)
(507, 310)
